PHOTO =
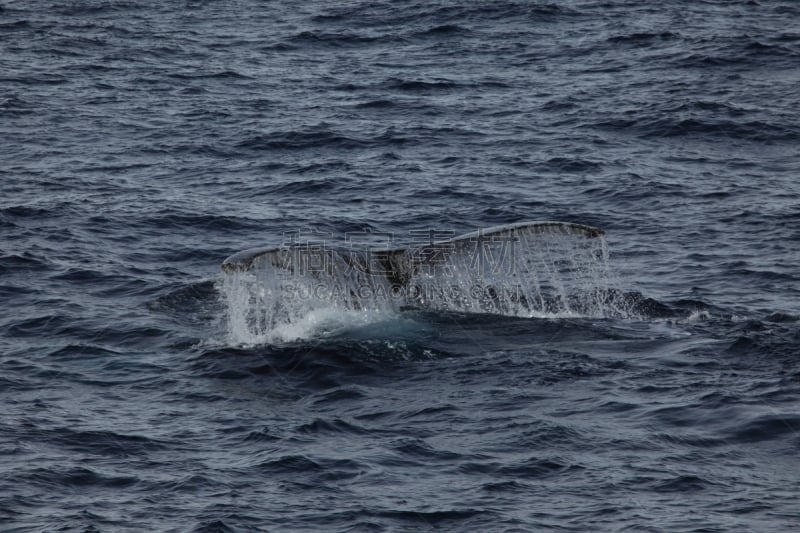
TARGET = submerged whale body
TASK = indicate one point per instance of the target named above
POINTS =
(523, 269)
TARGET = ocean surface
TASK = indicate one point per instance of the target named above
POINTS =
(143, 142)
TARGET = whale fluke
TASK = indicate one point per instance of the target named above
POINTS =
(397, 265)
(532, 269)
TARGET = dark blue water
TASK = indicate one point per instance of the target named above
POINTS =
(143, 142)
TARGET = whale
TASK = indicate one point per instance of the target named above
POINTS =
(525, 269)
(397, 265)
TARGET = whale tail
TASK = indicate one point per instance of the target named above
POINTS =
(524, 269)
(399, 264)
